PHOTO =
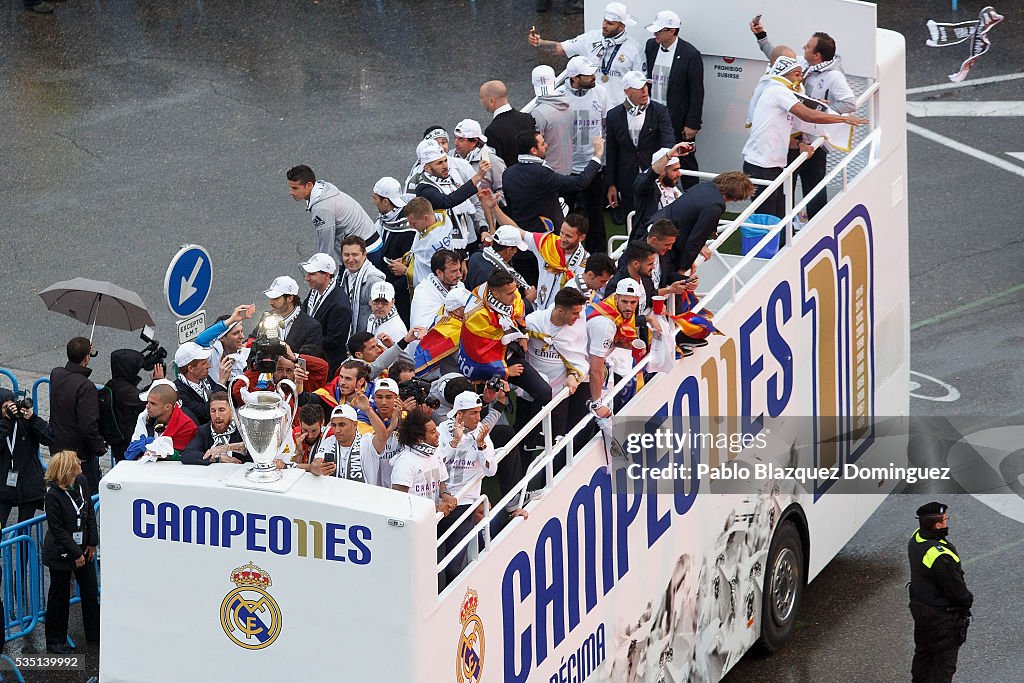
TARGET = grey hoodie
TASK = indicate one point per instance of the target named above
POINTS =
(336, 215)
(554, 120)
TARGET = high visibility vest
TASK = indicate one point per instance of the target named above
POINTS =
(923, 553)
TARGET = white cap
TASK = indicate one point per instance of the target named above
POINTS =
(456, 298)
(509, 236)
(389, 188)
(281, 286)
(666, 18)
(627, 286)
(661, 153)
(634, 80)
(428, 151)
(345, 411)
(436, 134)
(385, 384)
(382, 290)
(144, 396)
(616, 11)
(465, 401)
(190, 351)
(320, 263)
(580, 66)
(543, 78)
(468, 128)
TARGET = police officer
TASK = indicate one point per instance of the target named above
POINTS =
(939, 600)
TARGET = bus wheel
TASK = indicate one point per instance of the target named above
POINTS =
(783, 588)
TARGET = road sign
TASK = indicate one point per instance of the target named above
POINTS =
(188, 280)
(189, 328)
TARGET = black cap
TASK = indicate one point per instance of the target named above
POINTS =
(931, 510)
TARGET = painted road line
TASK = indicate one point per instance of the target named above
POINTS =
(1008, 108)
(964, 84)
(953, 312)
(1017, 155)
(966, 149)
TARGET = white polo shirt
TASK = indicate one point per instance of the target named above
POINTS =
(770, 127)
(423, 474)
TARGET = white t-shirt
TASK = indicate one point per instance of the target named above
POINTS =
(549, 283)
(427, 300)
(568, 342)
(424, 245)
(660, 73)
(588, 116)
(770, 128)
(634, 122)
(629, 57)
(601, 336)
(465, 462)
(423, 474)
(367, 455)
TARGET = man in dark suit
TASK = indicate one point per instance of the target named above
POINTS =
(194, 384)
(637, 129)
(299, 328)
(327, 304)
(507, 123)
(676, 71)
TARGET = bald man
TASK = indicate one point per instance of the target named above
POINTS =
(507, 121)
(161, 409)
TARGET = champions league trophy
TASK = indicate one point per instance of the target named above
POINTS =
(265, 423)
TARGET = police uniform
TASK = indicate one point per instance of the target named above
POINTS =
(939, 601)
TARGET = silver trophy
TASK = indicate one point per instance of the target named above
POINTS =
(265, 423)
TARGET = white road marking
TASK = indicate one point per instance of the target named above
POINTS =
(1017, 155)
(978, 469)
(966, 149)
(1009, 108)
(951, 392)
(964, 84)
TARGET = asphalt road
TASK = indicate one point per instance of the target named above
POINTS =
(131, 128)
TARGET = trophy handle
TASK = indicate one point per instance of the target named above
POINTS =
(294, 405)
(231, 398)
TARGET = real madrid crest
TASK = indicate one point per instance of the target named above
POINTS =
(469, 659)
(248, 615)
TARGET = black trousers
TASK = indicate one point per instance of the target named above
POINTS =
(937, 640)
(567, 415)
(91, 470)
(589, 202)
(810, 173)
(26, 511)
(57, 607)
(775, 205)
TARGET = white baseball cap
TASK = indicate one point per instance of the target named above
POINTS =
(428, 151)
(633, 80)
(382, 290)
(666, 18)
(509, 236)
(456, 297)
(436, 134)
(190, 351)
(469, 128)
(320, 263)
(281, 286)
(386, 384)
(391, 189)
(543, 78)
(465, 401)
(344, 411)
(661, 153)
(144, 396)
(580, 66)
(616, 11)
(627, 286)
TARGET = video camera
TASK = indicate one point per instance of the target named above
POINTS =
(418, 389)
(268, 345)
(153, 354)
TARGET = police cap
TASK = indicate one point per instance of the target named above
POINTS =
(931, 510)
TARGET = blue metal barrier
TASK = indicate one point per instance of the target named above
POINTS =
(10, 375)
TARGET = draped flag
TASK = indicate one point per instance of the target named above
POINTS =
(944, 35)
(696, 325)
(441, 341)
(481, 345)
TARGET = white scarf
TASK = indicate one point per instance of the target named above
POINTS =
(352, 467)
(316, 298)
(494, 258)
(223, 438)
(353, 283)
(505, 320)
(376, 323)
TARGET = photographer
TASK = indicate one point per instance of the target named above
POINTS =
(118, 420)
(21, 431)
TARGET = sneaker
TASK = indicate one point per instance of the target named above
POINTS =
(42, 8)
(690, 341)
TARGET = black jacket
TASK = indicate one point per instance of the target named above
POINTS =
(305, 330)
(202, 442)
(624, 160)
(532, 190)
(646, 195)
(502, 130)
(335, 318)
(685, 84)
(936, 576)
(194, 405)
(125, 369)
(59, 548)
(25, 458)
(74, 412)
(696, 215)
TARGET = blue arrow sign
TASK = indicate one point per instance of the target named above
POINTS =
(188, 280)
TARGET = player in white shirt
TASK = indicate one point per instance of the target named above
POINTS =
(609, 47)
(384, 318)
(388, 407)
(418, 469)
(429, 296)
(346, 452)
(433, 232)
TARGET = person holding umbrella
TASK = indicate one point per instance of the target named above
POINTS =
(75, 411)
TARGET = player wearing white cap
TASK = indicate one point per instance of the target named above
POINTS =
(194, 384)
(470, 144)
(611, 325)
(554, 118)
(327, 305)
(388, 407)
(444, 191)
(297, 327)
(609, 47)
(344, 453)
(384, 318)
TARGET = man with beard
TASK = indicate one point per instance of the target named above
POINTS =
(396, 237)
(437, 186)
(655, 188)
(218, 440)
(505, 245)
(427, 300)
(194, 384)
(299, 329)
(469, 145)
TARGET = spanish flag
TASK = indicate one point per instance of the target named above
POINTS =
(625, 330)
(549, 246)
(481, 351)
(696, 325)
(441, 341)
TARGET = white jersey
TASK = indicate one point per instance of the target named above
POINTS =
(438, 236)
(613, 57)
(421, 472)
(377, 468)
(771, 125)
(427, 301)
(589, 111)
(465, 461)
(551, 347)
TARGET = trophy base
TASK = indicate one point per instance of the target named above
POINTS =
(264, 475)
(285, 481)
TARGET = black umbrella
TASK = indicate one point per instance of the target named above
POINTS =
(94, 302)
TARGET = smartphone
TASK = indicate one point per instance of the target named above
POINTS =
(757, 19)
(301, 362)
(249, 312)
(330, 457)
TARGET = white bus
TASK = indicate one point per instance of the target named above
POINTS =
(330, 580)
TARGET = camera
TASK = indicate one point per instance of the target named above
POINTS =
(268, 345)
(418, 389)
(18, 403)
(495, 383)
(153, 354)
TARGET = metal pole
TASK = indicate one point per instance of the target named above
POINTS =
(95, 314)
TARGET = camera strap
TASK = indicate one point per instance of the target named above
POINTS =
(11, 441)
